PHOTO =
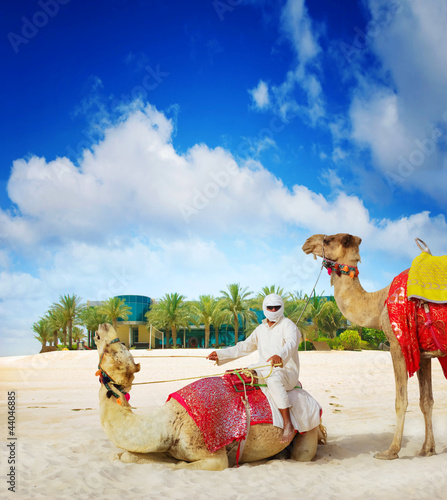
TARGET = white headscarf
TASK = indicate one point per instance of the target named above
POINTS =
(273, 299)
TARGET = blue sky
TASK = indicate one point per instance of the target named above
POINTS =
(150, 147)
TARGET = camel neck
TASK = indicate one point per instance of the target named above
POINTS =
(358, 306)
(132, 432)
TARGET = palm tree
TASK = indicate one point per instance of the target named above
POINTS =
(91, 318)
(256, 303)
(171, 313)
(72, 307)
(157, 317)
(43, 330)
(293, 309)
(58, 324)
(313, 312)
(78, 334)
(235, 300)
(115, 308)
(330, 318)
(207, 311)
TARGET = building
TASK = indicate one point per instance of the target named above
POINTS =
(132, 332)
(135, 332)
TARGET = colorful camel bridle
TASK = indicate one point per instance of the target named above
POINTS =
(339, 269)
(105, 379)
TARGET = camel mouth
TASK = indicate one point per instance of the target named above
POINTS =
(307, 249)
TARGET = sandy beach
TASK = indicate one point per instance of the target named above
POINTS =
(62, 452)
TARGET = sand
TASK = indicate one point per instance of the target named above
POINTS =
(62, 451)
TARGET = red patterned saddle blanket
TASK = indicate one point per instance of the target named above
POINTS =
(219, 411)
(416, 327)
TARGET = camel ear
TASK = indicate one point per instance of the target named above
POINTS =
(137, 367)
(350, 241)
(346, 241)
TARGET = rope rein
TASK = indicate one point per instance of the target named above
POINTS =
(309, 297)
(313, 289)
(244, 371)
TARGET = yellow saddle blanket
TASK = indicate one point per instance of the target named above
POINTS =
(427, 278)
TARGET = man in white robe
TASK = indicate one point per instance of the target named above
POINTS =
(276, 339)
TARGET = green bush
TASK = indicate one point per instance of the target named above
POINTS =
(350, 340)
(373, 337)
(332, 343)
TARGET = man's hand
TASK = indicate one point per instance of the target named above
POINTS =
(275, 360)
(213, 356)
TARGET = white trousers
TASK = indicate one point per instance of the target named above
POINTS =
(279, 382)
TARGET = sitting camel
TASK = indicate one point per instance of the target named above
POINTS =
(169, 432)
(369, 310)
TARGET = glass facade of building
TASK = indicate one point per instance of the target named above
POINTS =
(139, 304)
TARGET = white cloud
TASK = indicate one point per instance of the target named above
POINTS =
(138, 217)
(397, 236)
(134, 182)
(297, 25)
(297, 29)
(331, 178)
(404, 120)
(260, 95)
(375, 122)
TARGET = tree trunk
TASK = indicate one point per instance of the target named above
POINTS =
(207, 336)
(65, 336)
(236, 329)
(314, 334)
(174, 336)
(114, 323)
(55, 339)
(216, 334)
(167, 337)
(70, 334)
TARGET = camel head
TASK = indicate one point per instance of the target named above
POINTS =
(340, 247)
(115, 358)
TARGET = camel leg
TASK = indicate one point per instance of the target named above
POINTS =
(401, 379)
(426, 404)
(129, 457)
(305, 445)
(215, 461)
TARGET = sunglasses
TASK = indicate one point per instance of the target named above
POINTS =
(273, 308)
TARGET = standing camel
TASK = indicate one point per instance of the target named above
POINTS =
(169, 434)
(370, 311)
